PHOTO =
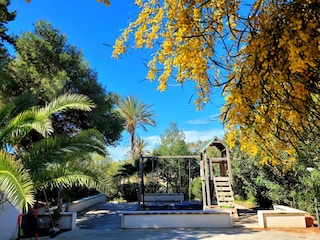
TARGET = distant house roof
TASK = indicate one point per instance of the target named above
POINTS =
(216, 142)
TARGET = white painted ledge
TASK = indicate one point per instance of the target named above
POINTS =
(176, 219)
(84, 203)
(163, 197)
(282, 217)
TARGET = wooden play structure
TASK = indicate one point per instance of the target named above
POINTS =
(216, 175)
(173, 218)
(216, 178)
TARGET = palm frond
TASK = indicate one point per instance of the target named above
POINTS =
(15, 106)
(63, 148)
(15, 182)
(75, 175)
(22, 124)
(23, 103)
(68, 101)
(91, 141)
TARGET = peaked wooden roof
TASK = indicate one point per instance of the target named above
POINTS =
(215, 141)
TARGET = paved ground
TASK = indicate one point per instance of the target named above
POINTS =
(104, 222)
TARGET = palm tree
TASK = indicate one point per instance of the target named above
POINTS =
(64, 161)
(141, 147)
(136, 114)
(50, 162)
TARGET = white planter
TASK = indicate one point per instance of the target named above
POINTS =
(67, 221)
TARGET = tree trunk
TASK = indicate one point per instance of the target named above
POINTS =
(59, 199)
(140, 187)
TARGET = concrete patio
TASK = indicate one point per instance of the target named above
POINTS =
(104, 222)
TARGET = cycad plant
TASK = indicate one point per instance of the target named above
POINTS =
(54, 160)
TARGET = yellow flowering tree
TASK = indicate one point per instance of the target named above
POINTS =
(269, 51)
(186, 36)
(272, 98)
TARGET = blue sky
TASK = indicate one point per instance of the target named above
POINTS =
(93, 27)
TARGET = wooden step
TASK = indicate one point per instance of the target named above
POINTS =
(224, 189)
(226, 204)
(224, 192)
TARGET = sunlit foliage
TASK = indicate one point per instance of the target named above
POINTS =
(267, 54)
(272, 99)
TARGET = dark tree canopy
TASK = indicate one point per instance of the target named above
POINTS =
(46, 66)
(5, 17)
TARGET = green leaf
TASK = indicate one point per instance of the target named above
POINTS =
(68, 101)
(15, 182)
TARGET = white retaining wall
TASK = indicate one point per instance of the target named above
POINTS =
(282, 217)
(85, 203)
(176, 219)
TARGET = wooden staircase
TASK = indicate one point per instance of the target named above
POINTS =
(224, 192)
